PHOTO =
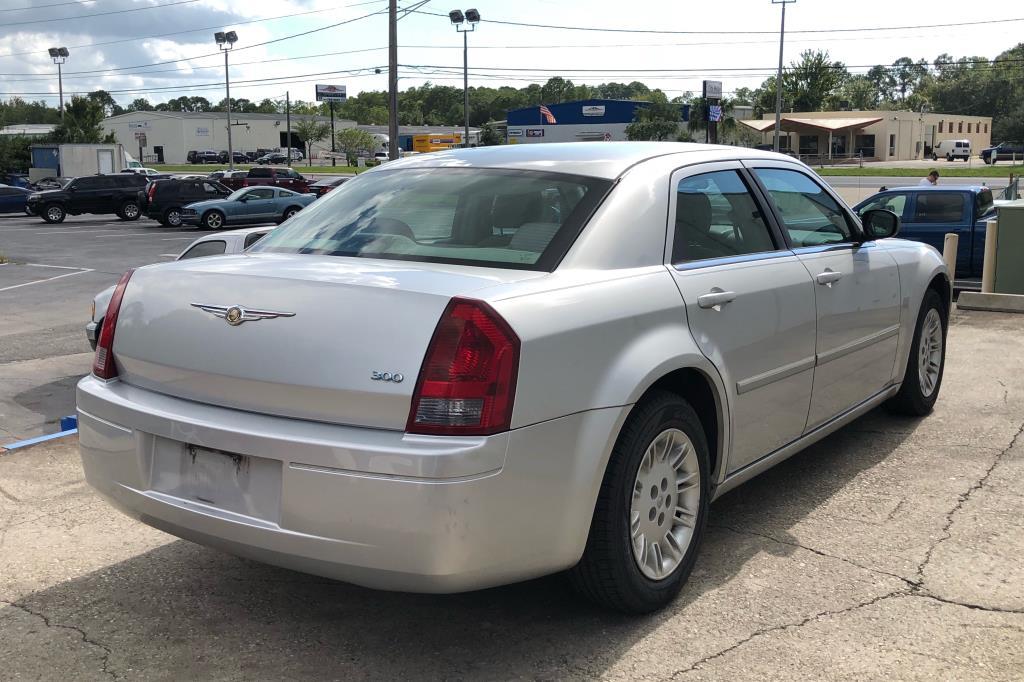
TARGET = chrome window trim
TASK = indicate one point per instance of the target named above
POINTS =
(729, 260)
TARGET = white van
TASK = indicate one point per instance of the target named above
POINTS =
(952, 149)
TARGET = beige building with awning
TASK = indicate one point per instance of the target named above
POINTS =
(872, 135)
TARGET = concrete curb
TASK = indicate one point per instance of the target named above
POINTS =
(997, 303)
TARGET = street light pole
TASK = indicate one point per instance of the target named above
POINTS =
(392, 79)
(778, 77)
(60, 55)
(464, 24)
(226, 41)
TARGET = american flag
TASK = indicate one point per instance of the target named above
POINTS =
(548, 116)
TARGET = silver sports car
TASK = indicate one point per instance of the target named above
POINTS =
(474, 367)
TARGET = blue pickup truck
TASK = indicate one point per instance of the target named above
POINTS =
(929, 213)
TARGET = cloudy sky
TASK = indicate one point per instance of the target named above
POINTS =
(160, 49)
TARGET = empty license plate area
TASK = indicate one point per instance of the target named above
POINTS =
(237, 483)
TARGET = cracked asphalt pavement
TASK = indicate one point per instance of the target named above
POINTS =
(890, 550)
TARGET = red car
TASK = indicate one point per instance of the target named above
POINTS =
(325, 185)
(285, 177)
(229, 178)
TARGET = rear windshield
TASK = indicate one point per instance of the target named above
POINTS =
(488, 217)
(985, 203)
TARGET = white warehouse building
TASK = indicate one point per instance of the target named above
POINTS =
(171, 135)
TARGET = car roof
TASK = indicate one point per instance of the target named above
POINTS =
(595, 159)
(244, 232)
(937, 188)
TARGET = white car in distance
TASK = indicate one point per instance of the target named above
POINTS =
(217, 244)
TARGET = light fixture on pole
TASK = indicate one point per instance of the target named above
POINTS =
(778, 77)
(226, 41)
(464, 24)
(60, 56)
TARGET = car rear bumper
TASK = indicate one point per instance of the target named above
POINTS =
(378, 508)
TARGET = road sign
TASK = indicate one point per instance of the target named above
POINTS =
(141, 137)
(330, 93)
(712, 89)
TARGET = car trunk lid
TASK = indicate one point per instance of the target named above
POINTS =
(341, 340)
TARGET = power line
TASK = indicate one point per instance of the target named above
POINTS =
(56, 4)
(136, 39)
(98, 14)
(662, 31)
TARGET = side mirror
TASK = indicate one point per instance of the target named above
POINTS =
(880, 223)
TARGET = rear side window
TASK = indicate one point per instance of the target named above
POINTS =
(985, 202)
(498, 218)
(87, 183)
(213, 247)
(717, 217)
(261, 173)
(809, 215)
(262, 193)
(939, 207)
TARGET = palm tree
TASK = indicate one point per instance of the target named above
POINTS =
(699, 113)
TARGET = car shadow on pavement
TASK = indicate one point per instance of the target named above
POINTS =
(185, 611)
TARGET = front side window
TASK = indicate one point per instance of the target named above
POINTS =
(890, 202)
(214, 247)
(717, 217)
(497, 218)
(810, 216)
(939, 207)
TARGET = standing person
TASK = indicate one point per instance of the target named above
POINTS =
(932, 179)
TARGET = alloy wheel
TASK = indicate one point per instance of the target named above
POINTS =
(665, 503)
(930, 353)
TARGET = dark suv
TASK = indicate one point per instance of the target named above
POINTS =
(117, 194)
(163, 200)
(206, 156)
(288, 178)
(1004, 151)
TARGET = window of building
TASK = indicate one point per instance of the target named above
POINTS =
(865, 146)
(941, 123)
(968, 128)
(960, 127)
(892, 145)
(716, 217)
(808, 144)
(986, 128)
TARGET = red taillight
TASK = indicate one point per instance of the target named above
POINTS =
(245, 183)
(152, 191)
(103, 364)
(467, 384)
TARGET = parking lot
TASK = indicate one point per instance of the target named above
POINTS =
(889, 550)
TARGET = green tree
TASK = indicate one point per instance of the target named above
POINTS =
(140, 104)
(354, 142)
(107, 101)
(15, 153)
(658, 121)
(83, 122)
(489, 136)
(813, 80)
(698, 118)
(311, 131)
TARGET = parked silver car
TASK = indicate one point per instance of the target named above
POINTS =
(474, 367)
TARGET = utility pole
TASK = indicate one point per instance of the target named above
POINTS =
(227, 87)
(465, 85)
(778, 77)
(60, 56)
(288, 124)
(392, 79)
(334, 161)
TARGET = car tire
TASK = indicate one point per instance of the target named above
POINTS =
(213, 220)
(949, 157)
(54, 213)
(289, 212)
(620, 569)
(922, 378)
(935, 157)
(172, 217)
(129, 211)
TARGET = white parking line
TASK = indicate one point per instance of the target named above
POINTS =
(75, 231)
(127, 234)
(41, 281)
(60, 267)
(168, 255)
(177, 239)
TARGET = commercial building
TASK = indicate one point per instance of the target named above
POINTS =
(588, 120)
(444, 135)
(872, 135)
(170, 135)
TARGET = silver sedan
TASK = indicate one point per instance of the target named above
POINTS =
(475, 367)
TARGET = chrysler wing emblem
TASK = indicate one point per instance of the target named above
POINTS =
(236, 314)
